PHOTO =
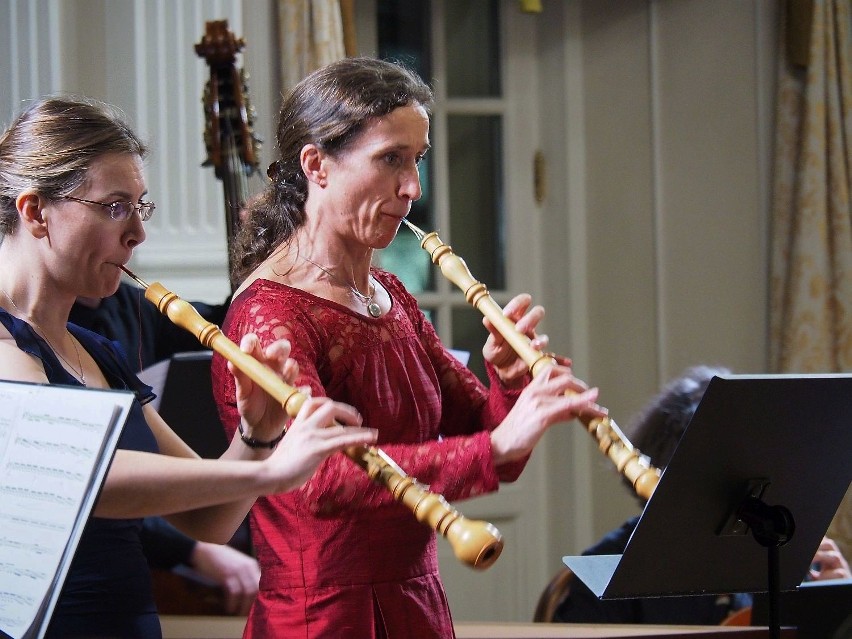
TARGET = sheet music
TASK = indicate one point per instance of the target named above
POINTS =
(155, 376)
(56, 443)
(462, 356)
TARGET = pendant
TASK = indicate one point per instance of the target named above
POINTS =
(374, 309)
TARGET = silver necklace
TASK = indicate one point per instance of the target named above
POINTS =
(81, 375)
(367, 300)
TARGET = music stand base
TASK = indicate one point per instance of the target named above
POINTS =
(772, 527)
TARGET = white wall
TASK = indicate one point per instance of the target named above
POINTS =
(659, 157)
(139, 55)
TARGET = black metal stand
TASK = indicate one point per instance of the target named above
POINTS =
(753, 439)
(772, 527)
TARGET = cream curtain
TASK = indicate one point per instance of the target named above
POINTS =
(811, 263)
(311, 35)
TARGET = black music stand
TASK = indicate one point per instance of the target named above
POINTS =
(185, 400)
(771, 450)
(818, 609)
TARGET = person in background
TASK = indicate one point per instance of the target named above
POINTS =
(72, 207)
(340, 557)
(147, 337)
(656, 431)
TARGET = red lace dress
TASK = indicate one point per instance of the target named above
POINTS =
(340, 557)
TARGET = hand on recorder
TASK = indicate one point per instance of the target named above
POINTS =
(511, 369)
(263, 417)
(321, 428)
(540, 405)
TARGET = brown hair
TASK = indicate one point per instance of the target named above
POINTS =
(329, 108)
(657, 429)
(51, 145)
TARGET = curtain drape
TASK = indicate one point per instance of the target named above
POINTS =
(311, 35)
(811, 261)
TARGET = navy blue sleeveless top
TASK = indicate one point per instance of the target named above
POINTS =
(107, 592)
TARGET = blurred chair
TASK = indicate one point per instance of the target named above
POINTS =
(555, 593)
(741, 617)
(559, 589)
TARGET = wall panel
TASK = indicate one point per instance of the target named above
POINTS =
(139, 55)
(676, 138)
(27, 33)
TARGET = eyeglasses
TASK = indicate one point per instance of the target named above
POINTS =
(121, 211)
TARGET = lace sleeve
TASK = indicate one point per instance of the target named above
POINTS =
(469, 406)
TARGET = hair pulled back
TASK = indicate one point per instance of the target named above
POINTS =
(329, 108)
(52, 144)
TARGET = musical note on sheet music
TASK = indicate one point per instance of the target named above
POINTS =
(39, 470)
(12, 569)
(53, 448)
(29, 548)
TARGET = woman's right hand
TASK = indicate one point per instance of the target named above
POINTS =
(321, 428)
(829, 562)
(541, 404)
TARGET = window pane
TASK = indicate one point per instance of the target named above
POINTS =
(476, 195)
(473, 48)
(403, 34)
(410, 263)
(469, 335)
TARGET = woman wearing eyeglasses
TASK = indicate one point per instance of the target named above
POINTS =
(72, 204)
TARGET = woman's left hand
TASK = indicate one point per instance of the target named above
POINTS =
(511, 369)
(263, 416)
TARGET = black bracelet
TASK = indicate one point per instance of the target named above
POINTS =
(251, 442)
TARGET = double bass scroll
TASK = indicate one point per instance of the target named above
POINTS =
(232, 146)
(611, 441)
